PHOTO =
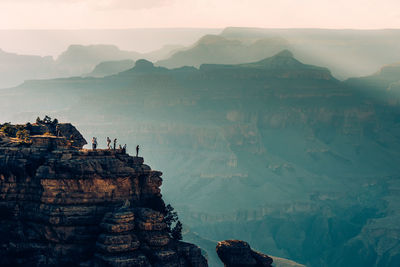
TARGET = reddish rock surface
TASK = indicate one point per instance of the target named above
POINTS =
(64, 206)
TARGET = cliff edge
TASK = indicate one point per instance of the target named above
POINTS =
(62, 205)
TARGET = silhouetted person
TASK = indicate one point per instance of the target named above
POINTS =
(108, 142)
(119, 147)
(94, 143)
(137, 151)
(115, 143)
(58, 132)
(124, 149)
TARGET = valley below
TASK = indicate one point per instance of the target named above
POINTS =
(276, 152)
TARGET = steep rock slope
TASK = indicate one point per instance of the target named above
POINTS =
(64, 206)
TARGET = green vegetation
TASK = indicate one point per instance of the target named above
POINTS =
(7, 129)
(23, 134)
(16, 131)
(10, 130)
(176, 232)
(46, 120)
(171, 218)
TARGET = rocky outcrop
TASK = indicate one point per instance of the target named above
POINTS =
(66, 206)
(118, 245)
(235, 253)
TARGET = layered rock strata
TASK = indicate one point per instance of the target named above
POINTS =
(118, 245)
(61, 205)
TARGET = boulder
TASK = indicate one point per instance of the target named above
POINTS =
(235, 253)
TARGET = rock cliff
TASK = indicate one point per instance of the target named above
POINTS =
(61, 205)
(237, 253)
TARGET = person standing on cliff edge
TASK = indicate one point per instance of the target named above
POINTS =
(124, 149)
(94, 143)
(115, 143)
(137, 151)
(108, 142)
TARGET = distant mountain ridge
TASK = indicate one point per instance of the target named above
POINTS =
(77, 60)
(15, 68)
(107, 68)
(220, 50)
(143, 66)
(270, 152)
(347, 53)
(341, 51)
(390, 72)
(281, 65)
(386, 78)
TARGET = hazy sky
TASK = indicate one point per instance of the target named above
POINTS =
(85, 14)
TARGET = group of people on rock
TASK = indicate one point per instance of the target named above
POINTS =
(114, 146)
(109, 143)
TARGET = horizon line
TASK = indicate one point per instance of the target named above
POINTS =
(195, 28)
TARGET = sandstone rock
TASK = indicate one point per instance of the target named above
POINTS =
(68, 130)
(235, 253)
(155, 238)
(117, 238)
(149, 226)
(149, 215)
(61, 207)
(150, 220)
(165, 256)
(117, 228)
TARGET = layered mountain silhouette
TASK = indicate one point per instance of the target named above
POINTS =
(108, 68)
(77, 60)
(142, 66)
(14, 68)
(347, 53)
(217, 49)
(275, 152)
(385, 78)
(281, 65)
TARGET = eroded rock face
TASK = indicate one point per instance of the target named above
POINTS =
(235, 253)
(61, 130)
(118, 238)
(65, 207)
